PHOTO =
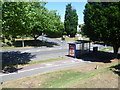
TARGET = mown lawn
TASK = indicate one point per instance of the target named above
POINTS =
(28, 42)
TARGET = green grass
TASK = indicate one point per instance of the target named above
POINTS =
(56, 79)
(28, 42)
(33, 43)
(61, 78)
(42, 61)
(67, 39)
(85, 76)
(12, 47)
(68, 77)
(106, 49)
(48, 60)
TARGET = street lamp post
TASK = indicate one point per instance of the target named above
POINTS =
(42, 36)
(62, 39)
(23, 41)
(62, 47)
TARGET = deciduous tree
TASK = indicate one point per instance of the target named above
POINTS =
(29, 19)
(15, 20)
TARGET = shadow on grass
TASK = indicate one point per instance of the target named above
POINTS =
(116, 69)
(33, 43)
(10, 60)
(99, 43)
(82, 40)
(98, 56)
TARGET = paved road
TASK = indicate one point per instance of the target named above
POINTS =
(55, 41)
(35, 53)
(42, 68)
(41, 53)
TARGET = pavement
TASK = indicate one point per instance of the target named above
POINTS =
(42, 68)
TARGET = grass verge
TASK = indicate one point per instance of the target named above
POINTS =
(106, 49)
(42, 61)
(70, 40)
(71, 77)
(12, 47)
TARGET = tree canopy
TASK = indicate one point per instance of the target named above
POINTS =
(71, 21)
(15, 19)
(29, 19)
(102, 22)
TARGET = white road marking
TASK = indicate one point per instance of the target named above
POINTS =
(38, 50)
(25, 51)
(21, 71)
(65, 62)
(8, 74)
(79, 60)
(72, 61)
(56, 65)
(90, 62)
(48, 64)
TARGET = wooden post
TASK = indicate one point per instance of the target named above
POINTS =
(96, 67)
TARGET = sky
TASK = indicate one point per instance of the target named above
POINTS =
(61, 7)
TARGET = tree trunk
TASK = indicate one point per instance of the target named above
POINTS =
(35, 38)
(116, 48)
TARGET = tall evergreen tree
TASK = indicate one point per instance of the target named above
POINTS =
(71, 21)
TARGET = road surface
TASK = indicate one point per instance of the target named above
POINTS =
(43, 68)
(40, 53)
